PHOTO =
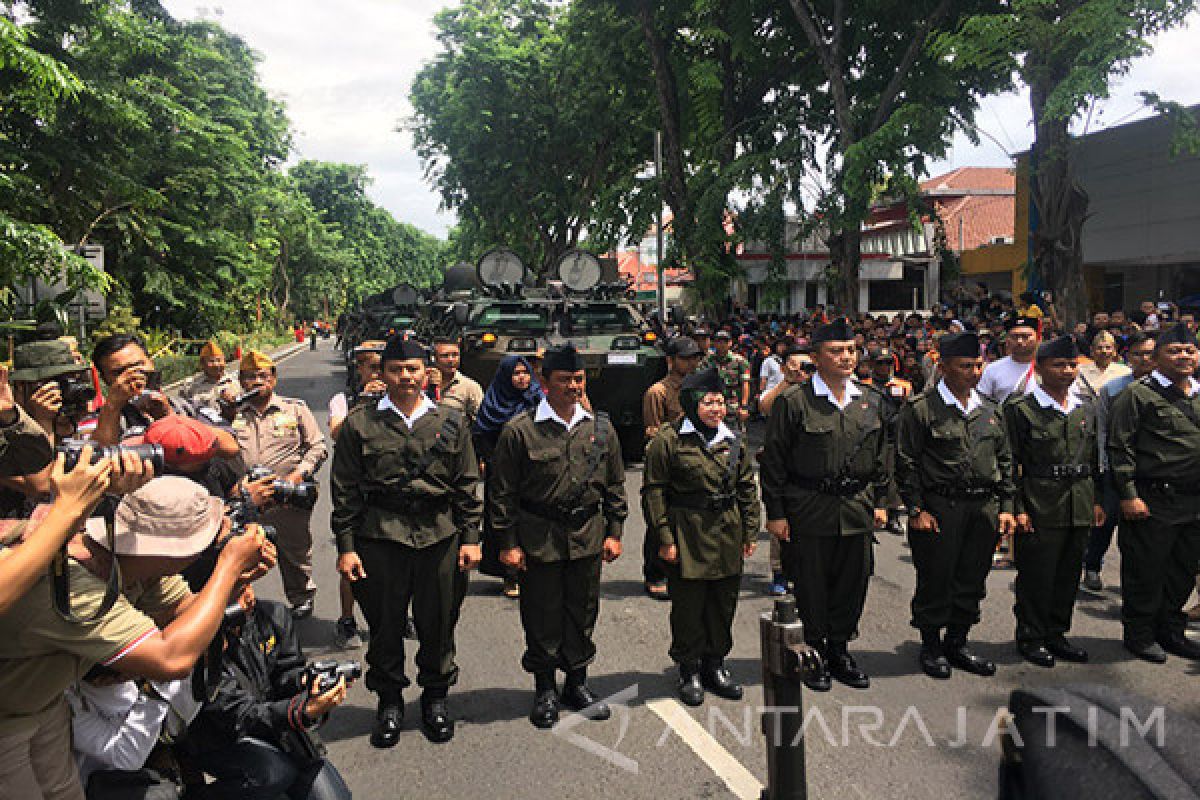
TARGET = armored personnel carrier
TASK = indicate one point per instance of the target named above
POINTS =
(507, 315)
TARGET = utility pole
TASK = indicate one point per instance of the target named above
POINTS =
(662, 278)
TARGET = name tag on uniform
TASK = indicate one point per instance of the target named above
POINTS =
(239, 424)
(285, 425)
(896, 391)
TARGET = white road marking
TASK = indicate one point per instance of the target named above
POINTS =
(740, 780)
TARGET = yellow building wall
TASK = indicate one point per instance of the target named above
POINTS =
(1009, 258)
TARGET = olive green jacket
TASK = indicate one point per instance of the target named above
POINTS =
(1152, 439)
(542, 463)
(937, 447)
(374, 457)
(808, 438)
(1041, 437)
(710, 541)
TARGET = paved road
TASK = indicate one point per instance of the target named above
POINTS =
(875, 744)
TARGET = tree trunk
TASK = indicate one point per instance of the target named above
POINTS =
(1060, 205)
(845, 254)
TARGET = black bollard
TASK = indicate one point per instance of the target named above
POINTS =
(785, 658)
(312, 340)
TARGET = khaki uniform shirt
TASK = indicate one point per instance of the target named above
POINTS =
(203, 393)
(41, 654)
(660, 404)
(544, 463)
(465, 394)
(709, 540)
(24, 449)
(284, 436)
(376, 455)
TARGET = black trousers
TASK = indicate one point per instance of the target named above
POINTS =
(428, 578)
(559, 603)
(829, 578)
(252, 769)
(1158, 573)
(1101, 537)
(953, 564)
(701, 616)
(1048, 562)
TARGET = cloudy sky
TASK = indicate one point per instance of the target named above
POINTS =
(344, 69)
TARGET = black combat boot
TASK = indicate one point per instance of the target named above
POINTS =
(388, 717)
(545, 701)
(435, 716)
(691, 690)
(960, 657)
(718, 680)
(933, 658)
(844, 669)
(817, 679)
(578, 697)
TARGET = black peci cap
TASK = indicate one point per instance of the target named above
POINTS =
(837, 331)
(959, 345)
(1060, 347)
(399, 348)
(562, 357)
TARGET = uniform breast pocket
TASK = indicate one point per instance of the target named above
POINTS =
(383, 459)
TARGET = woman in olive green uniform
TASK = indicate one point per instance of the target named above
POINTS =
(700, 497)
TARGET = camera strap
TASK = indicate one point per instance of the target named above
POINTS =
(60, 578)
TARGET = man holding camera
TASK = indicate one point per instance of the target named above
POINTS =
(406, 520)
(281, 434)
(212, 386)
(52, 386)
(135, 397)
(255, 732)
(120, 585)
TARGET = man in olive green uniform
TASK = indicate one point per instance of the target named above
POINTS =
(282, 434)
(406, 520)
(1053, 435)
(954, 472)
(558, 506)
(700, 501)
(824, 485)
(1154, 455)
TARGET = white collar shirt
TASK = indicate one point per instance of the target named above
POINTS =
(424, 407)
(545, 412)
(1189, 388)
(721, 435)
(821, 389)
(1046, 401)
(973, 402)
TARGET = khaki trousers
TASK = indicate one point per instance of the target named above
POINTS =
(37, 764)
(295, 552)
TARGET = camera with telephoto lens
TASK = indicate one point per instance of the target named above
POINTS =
(301, 495)
(76, 395)
(327, 674)
(72, 448)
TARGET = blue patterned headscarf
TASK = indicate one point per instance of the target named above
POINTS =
(503, 401)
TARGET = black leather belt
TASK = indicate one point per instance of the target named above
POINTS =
(1061, 472)
(1167, 487)
(573, 518)
(963, 492)
(700, 501)
(412, 504)
(837, 487)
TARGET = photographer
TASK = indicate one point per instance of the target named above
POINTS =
(134, 398)
(151, 626)
(255, 734)
(52, 386)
